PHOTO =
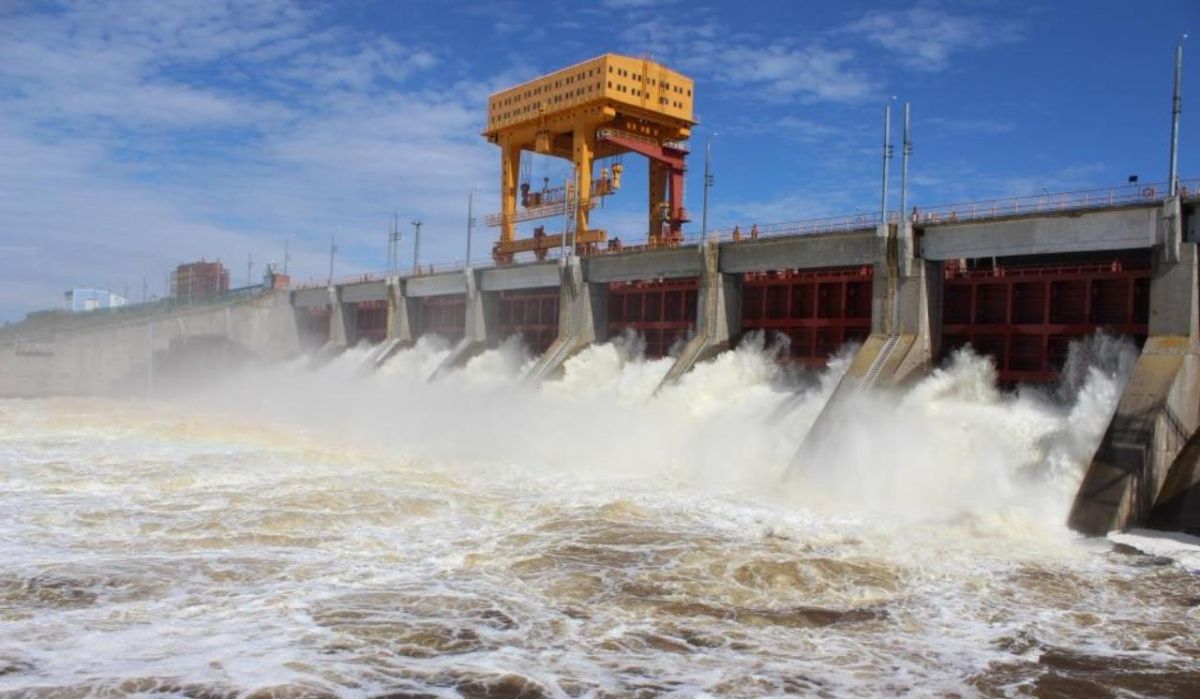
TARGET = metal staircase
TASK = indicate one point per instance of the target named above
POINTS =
(889, 346)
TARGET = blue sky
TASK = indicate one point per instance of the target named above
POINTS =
(140, 134)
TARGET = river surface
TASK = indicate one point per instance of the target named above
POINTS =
(309, 533)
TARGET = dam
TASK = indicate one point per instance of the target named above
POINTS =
(1018, 280)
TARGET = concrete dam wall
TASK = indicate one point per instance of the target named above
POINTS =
(1018, 289)
(140, 352)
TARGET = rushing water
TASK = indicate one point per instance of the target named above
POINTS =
(299, 533)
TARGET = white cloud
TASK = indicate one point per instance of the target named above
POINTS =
(805, 130)
(140, 135)
(780, 71)
(925, 37)
(750, 66)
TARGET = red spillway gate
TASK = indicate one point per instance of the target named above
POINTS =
(444, 315)
(662, 312)
(532, 314)
(817, 310)
(371, 320)
(1025, 315)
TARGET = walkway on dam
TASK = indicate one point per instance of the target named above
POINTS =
(936, 215)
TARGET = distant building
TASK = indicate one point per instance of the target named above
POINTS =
(274, 279)
(80, 300)
(197, 280)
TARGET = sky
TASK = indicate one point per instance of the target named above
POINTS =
(136, 135)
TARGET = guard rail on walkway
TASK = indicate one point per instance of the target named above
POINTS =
(1005, 207)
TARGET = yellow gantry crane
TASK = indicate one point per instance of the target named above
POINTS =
(600, 108)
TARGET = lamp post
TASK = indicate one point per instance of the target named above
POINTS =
(287, 252)
(394, 237)
(332, 253)
(887, 156)
(905, 151)
(417, 245)
(1176, 109)
(470, 223)
(708, 183)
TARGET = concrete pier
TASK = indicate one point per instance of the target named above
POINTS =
(1177, 506)
(581, 321)
(342, 330)
(904, 317)
(479, 331)
(403, 313)
(718, 316)
(342, 325)
(1160, 408)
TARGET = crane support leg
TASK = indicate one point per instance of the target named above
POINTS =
(658, 196)
(666, 179)
(510, 173)
(678, 213)
(585, 148)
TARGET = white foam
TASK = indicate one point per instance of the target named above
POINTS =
(361, 534)
(1182, 548)
(504, 363)
(419, 361)
(955, 446)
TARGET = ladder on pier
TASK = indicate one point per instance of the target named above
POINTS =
(881, 359)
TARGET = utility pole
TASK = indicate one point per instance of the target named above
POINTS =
(417, 245)
(391, 245)
(287, 255)
(470, 222)
(887, 155)
(394, 244)
(1176, 110)
(905, 152)
(708, 183)
(332, 252)
(249, 269)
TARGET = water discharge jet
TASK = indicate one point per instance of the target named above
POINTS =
(396, 535)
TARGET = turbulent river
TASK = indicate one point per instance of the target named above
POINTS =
(290, 532)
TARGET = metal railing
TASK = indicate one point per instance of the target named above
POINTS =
(811, 226)
(423, 270)
(54, 321)
(1049, 202)
(1004, 207)
(609, 134)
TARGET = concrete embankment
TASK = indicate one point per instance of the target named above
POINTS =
(140, 353)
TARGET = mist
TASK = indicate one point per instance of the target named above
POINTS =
(949, 447)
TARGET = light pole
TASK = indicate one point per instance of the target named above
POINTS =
(905, 151)
(708, 183)
(417, 245)
(1176, 109)
(887, 156)
(332, 252)
(470, 223)
(287, 253)
(394, 237)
